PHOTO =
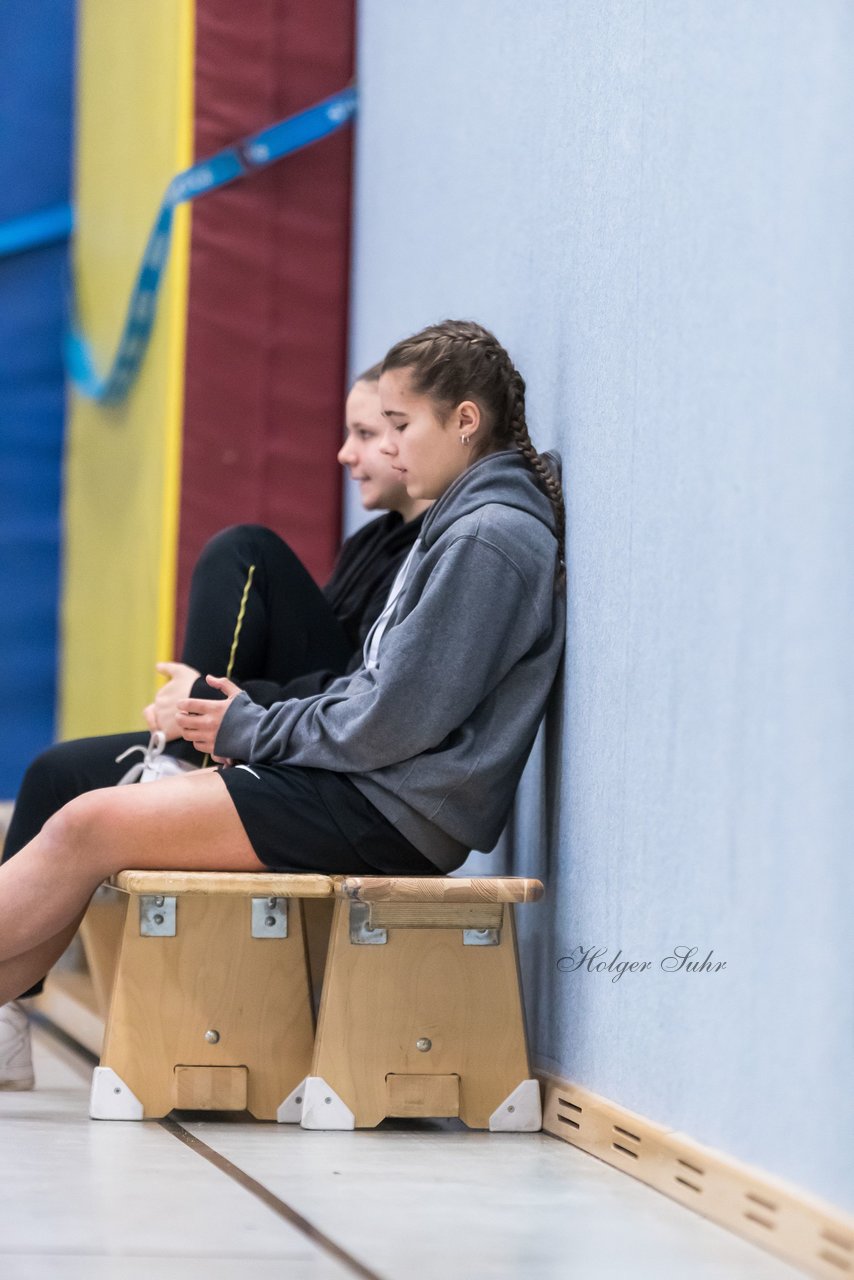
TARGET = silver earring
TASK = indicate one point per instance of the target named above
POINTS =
(465, 440)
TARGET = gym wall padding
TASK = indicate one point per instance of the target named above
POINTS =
(267, 304)
(134, 131)
(35, 148)
(237, 411)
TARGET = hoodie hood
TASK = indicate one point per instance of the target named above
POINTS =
(503, 478)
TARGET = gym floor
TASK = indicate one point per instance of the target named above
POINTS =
(213, 1196)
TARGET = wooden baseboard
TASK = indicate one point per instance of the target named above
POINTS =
(775, 1215)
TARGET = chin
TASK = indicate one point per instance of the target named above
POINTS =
(386, 501)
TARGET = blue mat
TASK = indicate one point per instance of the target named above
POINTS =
(36, 70)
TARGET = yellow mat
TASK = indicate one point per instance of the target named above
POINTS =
(134, 132)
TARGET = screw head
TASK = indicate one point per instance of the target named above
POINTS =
(159, 901)
(158, 919)
(271, 902)
(424, 1045)
(212, 1037)
(511, 1108)
(269, 921)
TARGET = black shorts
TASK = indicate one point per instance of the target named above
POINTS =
(300, 819)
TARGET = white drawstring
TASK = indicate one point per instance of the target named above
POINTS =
(370, 652)
(151, 766)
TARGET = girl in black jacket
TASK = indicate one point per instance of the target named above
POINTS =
(294, 640)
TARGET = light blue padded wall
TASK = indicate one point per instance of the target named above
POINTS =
(653, 207)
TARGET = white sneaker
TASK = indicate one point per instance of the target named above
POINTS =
(16, 1057)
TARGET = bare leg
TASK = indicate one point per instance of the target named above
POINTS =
(19, 973)
(183, 823)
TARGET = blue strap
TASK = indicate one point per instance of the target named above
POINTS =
(36, 229)
(249, 156)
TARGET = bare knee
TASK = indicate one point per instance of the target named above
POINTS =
(80, 829)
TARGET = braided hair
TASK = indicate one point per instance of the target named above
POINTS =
(460, 360)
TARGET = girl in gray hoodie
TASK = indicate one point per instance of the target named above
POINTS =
(400, 767)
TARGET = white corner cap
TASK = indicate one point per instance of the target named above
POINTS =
(322, 1108)
(520, 1112)
(111, 1099)
(290, 1111)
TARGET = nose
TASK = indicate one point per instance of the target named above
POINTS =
(345, 454)
(389, 442)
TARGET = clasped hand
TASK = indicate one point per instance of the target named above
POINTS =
(160, 714)
(199, 719)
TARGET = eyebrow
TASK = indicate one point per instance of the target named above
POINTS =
(393, 413)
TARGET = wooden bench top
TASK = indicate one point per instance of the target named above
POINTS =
(258, 884)
(357, 888)
(438, 888)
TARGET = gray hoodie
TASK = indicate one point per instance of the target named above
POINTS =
(437, 734)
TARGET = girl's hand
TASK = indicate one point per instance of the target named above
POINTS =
(199, 719)
(161, 713)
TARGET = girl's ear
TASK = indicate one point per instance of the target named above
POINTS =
(468, 419)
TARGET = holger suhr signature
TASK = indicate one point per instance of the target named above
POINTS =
(680, 960)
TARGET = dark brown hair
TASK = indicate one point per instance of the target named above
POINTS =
(460, 360)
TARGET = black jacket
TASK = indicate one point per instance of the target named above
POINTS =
(358, 589)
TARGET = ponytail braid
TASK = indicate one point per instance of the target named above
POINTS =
(460, 360)
(549, 483)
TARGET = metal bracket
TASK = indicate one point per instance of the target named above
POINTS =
(269, 917)
(157, 916)
(361, 933)
(481, 937)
